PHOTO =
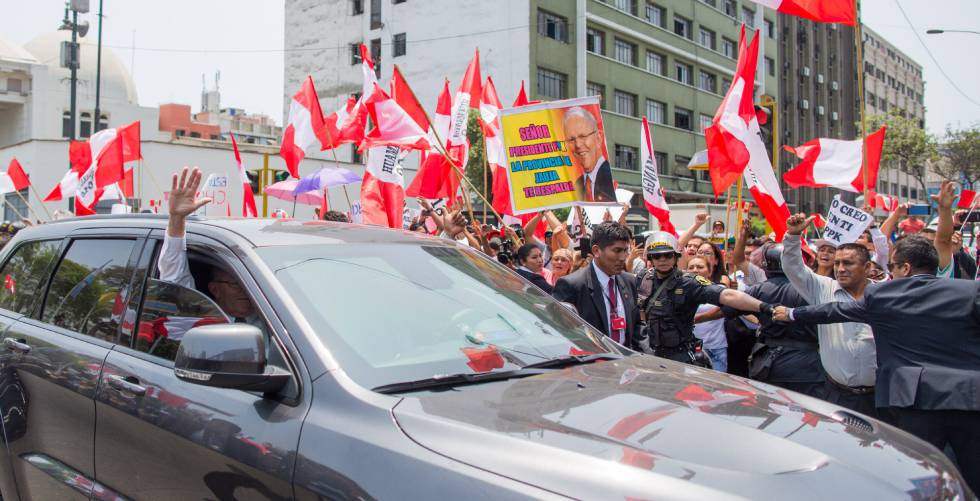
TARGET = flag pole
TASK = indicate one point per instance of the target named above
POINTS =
(860, 76)
(13, 208)
(28, 204)
(333, 152)
(738, 204)
(347, 196)
(38, 197)
(484, 176)
(728, 216)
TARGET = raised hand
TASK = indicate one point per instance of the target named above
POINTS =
(946, 195)
(796, 224)
(183, 193)
(701, 218)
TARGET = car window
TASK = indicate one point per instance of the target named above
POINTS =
(169, 311)
(86, 293)
(24, 272)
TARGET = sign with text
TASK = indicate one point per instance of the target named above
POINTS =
(215, 188)
(556, 155)
(845, 223)
(356, 214)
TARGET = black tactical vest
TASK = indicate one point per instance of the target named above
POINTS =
(664, 328)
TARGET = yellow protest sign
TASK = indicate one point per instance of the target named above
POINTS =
(556, 155)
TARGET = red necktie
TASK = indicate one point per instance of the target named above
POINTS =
(588, 189)
(612, 310)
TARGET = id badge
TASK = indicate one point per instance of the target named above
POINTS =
(618, 323)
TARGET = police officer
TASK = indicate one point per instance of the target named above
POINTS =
(669, 298)
(785, 355)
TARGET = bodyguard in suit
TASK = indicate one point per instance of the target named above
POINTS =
(584, 139)
(927, 332)
(603, 293)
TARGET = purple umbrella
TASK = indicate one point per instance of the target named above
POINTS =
(284, 190)
(325, 178)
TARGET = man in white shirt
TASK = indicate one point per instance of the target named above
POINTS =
(847, 350)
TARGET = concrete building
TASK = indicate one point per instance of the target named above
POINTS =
(671, 60)
(817, 96)
(893, 81)
(35, 123)
(247, 128)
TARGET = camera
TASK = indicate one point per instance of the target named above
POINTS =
(506, 252)
(584, 247)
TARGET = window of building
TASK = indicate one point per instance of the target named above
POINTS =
(660, 158)
(356, 7)
(704, 121)
(726, 83)
(66, 126)
(680, 164)
(914, 193)
(895, 189)
(595, 41)
(869, 68)
(882, 104)
(628, 6)
(399, 45)
(196, 134)
(712, 3)
(625, 103)
(626, 157)
(376, 55)
(15, 85)
(656, 15)
(375, 14)
(596, 89)
(355, 54)
(103, 122)
(748, 17)
(656, 111)
(655, 63)
(682, 118)
(85, 125)
(706, 38)
(708, 82)
(552, 84)
(24, 273)
(770, 28)
(682, 72)
(625, 52)
(398, 1)
(729, 8)
(729, 48)
(905, 191)
(86, 285)
(682, 27)
(871, 99)
(770, 66)
(552, 26)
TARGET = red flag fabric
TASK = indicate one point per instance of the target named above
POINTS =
(382, 188)
(836, 163)
(14, 179)
(825, 11)
(471, 81)
(98, 162)
(494, 143)
(483, 359)
(248, 198)
(131, 141)
(302, 129)
(819, 221)
(435, 177)
(467, 97)
(393, 126)
(653, 193)
(403, 95)
(522, 98)
(324, 204)
(883, 202)
(966, 199)
(733, 138)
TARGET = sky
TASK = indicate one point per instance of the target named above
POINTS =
(179, 40)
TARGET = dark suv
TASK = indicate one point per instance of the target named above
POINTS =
(388, 365)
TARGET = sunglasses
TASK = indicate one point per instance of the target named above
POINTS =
(657, 257)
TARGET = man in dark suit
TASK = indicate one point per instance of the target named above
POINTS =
(603, 293)
(585, 140)
(927, 332)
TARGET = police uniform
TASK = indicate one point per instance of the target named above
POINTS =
(667, 307)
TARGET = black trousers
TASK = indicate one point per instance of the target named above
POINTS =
(865, 404)
(959, 429)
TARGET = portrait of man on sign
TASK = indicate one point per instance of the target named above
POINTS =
(585, 140)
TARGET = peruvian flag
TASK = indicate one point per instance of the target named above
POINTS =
(883, 202)
(494, 144)
(825, 11)
(122, 189)
(435, 177)
(762, 183)
(819, 222)
(382, 189)
(653, 192)
(836, 163)
(14, 179)
(522, 98)
(131, 141)
(95, 165)
(966, 199)
(467, 97)
(393, 124)
(248, 199)
(734, 139)
(347, 124)
(303, 128)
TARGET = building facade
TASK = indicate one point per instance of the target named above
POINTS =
(893, 81)
(818, 97)
(669, 60)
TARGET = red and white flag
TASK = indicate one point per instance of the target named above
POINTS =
(494, 143)
(304, 126)
(382, 189)
(836, 163)
(762, 184)
(393, 125)
(653, 192)
(825, 11)
(522, 99)
(467, 97)
(248, 198)
(14, 179)
(95, 165)
(347, 124)
(818, 221)
(435, 177)
(883, 202)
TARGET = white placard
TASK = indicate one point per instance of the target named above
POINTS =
(845, 223)
(356, 215)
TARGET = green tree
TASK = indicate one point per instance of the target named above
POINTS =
(959, 156)
(907, 145)
(474, 164)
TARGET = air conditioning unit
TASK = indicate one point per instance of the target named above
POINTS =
(834, 85)
(804, 104)
(805, 71)
(819, 78)
(819, 110)
(833, 116)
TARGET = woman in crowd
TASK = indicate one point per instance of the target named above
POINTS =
(561, 264)
(530, 262)
(709, 322)
(712, 256)
(823, 265)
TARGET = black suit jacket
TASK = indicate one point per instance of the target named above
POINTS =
(927, 333)
(604, 191)
(582, 290)
(535, 279)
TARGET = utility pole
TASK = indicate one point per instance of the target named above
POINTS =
(98, 75)
(71, 55)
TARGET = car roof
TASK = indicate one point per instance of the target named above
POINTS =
(260, 232)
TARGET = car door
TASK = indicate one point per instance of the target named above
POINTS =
(53, 357)
(161, 437)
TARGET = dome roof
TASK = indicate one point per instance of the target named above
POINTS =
(11, 51)
(117, 83)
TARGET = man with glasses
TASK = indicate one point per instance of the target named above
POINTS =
(584, 139)
(927, 332)
(668, 300)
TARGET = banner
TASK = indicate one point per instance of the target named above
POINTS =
(355, 214)
(556, 155)
(845, 223)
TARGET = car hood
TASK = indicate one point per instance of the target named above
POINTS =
(648, 428)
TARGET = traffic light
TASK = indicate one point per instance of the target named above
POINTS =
(253, 180)
(280, 175)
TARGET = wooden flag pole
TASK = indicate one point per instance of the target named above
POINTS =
(738, 204)
(38, 197)
(484, 177)
(860, 77)
(333, 153)
(728, 216)
(13, 208)
(28, 204)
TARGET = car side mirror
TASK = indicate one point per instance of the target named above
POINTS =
(227, 356)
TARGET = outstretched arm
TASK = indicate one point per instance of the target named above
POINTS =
(944, 230)
(699, 221)
(172, 263)
(827, 313)
(804, 280)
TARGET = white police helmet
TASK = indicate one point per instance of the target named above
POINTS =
(660, 242)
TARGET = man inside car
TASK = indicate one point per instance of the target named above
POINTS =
(174, 267)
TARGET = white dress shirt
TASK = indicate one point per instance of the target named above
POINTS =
(620, 309)
(847, 349)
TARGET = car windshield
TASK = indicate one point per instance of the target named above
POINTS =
(392, 313)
